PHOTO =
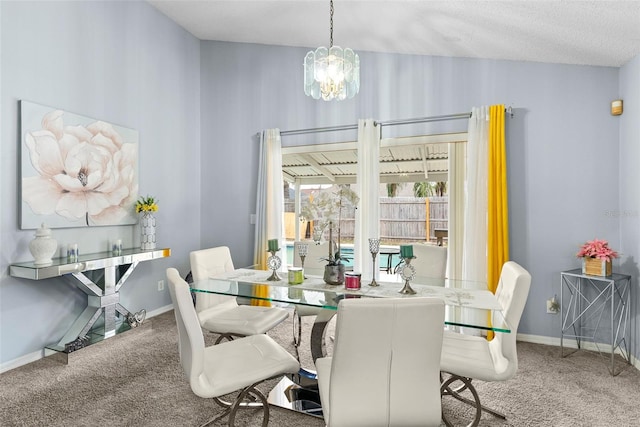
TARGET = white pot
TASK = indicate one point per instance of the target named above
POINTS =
(43, 246)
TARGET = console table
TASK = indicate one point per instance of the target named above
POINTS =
(100, 276)
(584, 300)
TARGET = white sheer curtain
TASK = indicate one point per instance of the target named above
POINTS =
(474, 259)
(270, 198)
(368, 212)
(457, 178)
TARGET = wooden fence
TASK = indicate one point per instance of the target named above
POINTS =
(402, 219)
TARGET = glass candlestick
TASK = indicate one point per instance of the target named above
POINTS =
(302, 253)
(374, 248)
(408, 272)
(274, 262)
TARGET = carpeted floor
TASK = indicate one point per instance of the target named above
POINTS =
(135, 379)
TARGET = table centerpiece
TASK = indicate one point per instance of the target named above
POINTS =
(325, 210)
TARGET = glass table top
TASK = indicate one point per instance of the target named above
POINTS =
(468, 304)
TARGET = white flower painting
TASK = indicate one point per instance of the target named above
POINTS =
(76, 171)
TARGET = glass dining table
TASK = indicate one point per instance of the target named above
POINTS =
(468, 306)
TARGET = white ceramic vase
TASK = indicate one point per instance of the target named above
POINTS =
(43, 247)
(147, 231)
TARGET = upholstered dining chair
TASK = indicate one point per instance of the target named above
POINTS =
(313, 265)
(385, 365)
(218, 370)
(431, 261)
(468, 357)
(313, 262)
(222, 314)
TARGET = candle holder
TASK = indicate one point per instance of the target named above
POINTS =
(274, 262)
(374, 248)
(408, 272)
(302, 253)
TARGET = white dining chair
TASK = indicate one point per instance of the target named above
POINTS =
(313, 265)
(313, 262)
(238, 365)
(468, 357)
(431, 261)
(385, 365)
(221, 314)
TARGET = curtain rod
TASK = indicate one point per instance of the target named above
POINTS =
(458, 116)
(425, 119)
(318, 130)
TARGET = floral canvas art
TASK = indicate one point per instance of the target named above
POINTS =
(76, 171)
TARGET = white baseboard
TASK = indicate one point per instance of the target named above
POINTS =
(571, 343)
(22, 360)
(37, 355)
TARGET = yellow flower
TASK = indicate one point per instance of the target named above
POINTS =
(146, 204)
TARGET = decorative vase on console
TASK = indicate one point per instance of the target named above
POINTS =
(146, 206)
(43, 247)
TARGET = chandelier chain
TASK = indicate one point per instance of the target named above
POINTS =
(331, 24)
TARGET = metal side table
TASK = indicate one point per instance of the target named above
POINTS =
(587, 300)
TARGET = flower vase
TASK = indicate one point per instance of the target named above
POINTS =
(334, 274)
(147, 231)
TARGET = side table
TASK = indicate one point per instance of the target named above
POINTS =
(585, 300)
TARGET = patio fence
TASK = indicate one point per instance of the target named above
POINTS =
(402, 219)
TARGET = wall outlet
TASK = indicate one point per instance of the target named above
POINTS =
(553, 306)
(160, 285)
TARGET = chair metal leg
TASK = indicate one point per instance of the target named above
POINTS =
(228, 337)
(248, 393)
(447, 390)
(297, 328)
(251, 390)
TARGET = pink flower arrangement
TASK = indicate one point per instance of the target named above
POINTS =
(597, 249)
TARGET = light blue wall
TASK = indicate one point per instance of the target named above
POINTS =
(629, 186)
(125, 63)
(563, 155)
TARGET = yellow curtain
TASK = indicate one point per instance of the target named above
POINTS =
(497, 206)
(497, 209)
(260, 291)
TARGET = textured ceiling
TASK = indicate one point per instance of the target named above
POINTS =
(572, 32)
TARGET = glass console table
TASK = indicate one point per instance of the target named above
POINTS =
(100, 276)
(585, 300)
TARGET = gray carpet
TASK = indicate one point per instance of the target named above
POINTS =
(135, 379)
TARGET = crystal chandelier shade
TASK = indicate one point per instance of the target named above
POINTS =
(332, 73)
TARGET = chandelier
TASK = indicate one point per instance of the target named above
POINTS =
(332, 73)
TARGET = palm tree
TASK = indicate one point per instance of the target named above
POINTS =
(427, 189)
(441, 188)
(423, 189)
(392, 189)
